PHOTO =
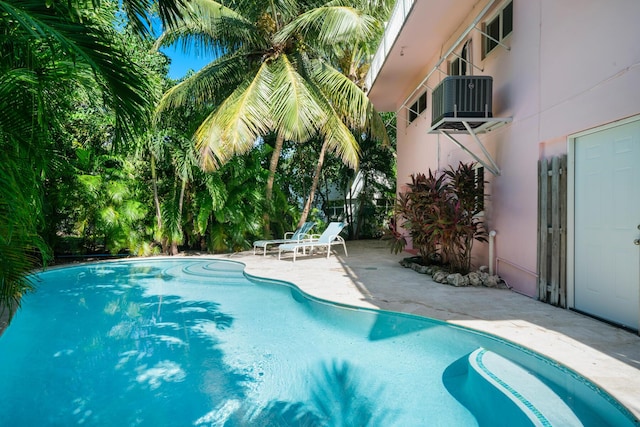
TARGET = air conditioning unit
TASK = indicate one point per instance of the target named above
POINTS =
(462, 97)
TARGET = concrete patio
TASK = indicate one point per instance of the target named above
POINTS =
(372, 277)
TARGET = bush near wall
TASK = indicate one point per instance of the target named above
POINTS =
(441, 214)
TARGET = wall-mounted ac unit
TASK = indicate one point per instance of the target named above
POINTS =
(463, 97)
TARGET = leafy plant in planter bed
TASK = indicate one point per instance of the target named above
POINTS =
(440, 213)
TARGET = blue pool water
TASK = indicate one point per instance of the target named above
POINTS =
(180, 342)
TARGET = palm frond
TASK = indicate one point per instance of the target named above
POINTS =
(90, 42)
(210, 85)
(210, 26)
(20, 246)
(380, 9)
(16, 105)
(351, 103)
(137, 12)
(183, 155)
(172, 220)
(331, 24)
(340, 141)
(239, 121)
(294, 106)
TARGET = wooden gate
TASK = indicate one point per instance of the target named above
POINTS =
(552, 231)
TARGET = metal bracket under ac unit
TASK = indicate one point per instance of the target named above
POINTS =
(473, 126)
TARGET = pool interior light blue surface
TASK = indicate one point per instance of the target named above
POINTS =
(197, 342)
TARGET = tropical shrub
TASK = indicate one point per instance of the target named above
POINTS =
(49, 51)
(441, 214)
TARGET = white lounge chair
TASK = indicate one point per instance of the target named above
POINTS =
(330, 237)
(299, 235)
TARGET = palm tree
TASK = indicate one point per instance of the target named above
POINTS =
(272, 75)
(47, 48)
(352, 60)
(183, 162)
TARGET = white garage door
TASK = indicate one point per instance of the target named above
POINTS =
(607, 224)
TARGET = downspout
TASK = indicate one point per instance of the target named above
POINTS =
(492, 252)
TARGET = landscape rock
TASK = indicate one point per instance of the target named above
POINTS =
(457, 280)
(478, 278)
(422, 269)
(440, 277)
(474, 279)
(492, 281)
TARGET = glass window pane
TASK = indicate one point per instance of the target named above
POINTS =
(465, 57)
(422, 103)
(413, 112)
(507, 20)
(493, 30)
(454, 67)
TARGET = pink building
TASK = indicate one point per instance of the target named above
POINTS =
(565, 82)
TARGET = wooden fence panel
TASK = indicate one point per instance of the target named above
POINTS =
(552, 231)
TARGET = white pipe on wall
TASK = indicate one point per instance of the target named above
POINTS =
(492, 252)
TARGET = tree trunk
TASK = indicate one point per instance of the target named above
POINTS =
(156, 202)
(156, 199)
(273, 166)
(181, 199)
(174, 244)
(348, 207)
(174, 248)
(360, 208)
(314, 185)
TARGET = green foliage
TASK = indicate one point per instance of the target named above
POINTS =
(228, 209)
(108, 211)
(95, 186)
(275, 74)
(20, 245)
(374, 204)
(82, 161)
(440, 212)
(51, 51)
(219, 211)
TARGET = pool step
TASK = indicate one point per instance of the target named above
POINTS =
(537, 401)
(501, 393)
(217, 272)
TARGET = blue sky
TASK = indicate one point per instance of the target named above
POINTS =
(182, 62)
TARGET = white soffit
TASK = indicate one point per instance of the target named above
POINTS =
(426, 30)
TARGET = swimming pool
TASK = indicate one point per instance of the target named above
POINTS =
(197, 342)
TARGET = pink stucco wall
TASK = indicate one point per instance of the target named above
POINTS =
(573, 65)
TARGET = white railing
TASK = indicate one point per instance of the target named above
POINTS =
(396, 21)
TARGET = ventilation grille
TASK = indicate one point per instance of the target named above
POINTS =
(463, 97)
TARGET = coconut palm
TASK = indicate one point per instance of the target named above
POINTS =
(352, 60)
(272, 76)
